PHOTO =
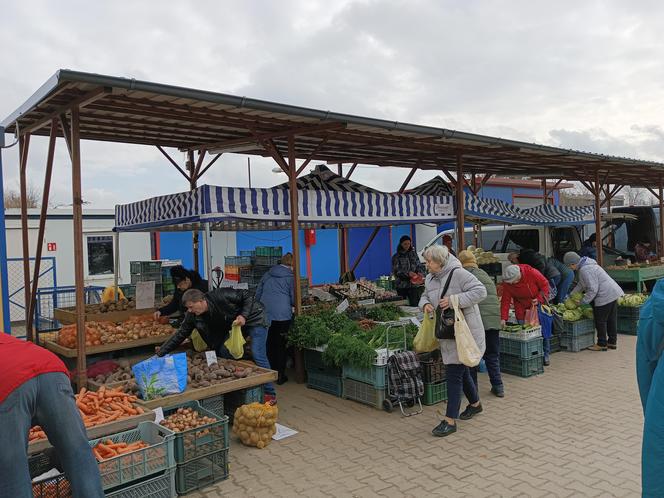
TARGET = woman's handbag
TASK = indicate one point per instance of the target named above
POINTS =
(467, 351)
(445, 318)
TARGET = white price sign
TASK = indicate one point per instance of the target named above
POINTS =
(353, 287)
(158, 414)
(343, 306)
(211, 357)
(415, 321)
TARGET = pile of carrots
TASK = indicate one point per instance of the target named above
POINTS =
(105, 405)
(108, 449)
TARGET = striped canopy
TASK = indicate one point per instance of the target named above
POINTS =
(232, 208)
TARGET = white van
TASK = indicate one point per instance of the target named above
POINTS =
(504, 239)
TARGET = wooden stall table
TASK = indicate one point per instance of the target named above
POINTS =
(105, 348)
(637, 275)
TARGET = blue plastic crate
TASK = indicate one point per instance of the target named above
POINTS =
(580, 327)
(327, 383)
(375, 375)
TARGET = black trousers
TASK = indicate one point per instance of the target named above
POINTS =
(277, 336)
(410, 293)
(606, 323)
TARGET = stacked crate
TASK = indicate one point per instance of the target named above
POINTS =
(321, 376)
(148, 271)
(365, 385)
(577, 335)
(235, 265)
(435, 379)
(201, 454)
(628, 319)
(522, 353)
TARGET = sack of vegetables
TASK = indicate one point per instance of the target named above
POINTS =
(255, 424)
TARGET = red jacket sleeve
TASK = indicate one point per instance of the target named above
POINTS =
(542, 286)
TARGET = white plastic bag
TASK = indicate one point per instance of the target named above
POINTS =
(467, 350)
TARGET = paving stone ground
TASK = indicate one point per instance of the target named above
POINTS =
(573, 431)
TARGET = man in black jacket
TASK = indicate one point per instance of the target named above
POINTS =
(545, 267)
(213, 314)
(184, 280)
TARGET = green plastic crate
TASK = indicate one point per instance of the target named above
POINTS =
(434, 393)
(522, 367)
(574, 344)
(580, 327)
(629, 312)
(522, 349)
(628, 325)
(162, 486)
(125, 469)
(363, 393)
(215, 404)
(321, 381)
(201, 472)
(313, 360)
(376, 375)
(555, 344)
(202, 440)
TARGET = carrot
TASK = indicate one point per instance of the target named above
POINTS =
(83, 391)
(97, 455)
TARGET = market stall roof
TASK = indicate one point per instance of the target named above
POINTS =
(235, 208)
(132, 111)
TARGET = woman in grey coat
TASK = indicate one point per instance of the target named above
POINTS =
(470, 292)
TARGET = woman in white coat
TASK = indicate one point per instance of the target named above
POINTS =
(444, 267)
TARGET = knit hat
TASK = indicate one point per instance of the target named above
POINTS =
(571, 258)
(467, 258)
(512, 274)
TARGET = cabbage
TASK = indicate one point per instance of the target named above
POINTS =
(632, 300)
(570, 304)
(572, 315)
(576, 297)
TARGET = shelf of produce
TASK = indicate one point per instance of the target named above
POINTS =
(637, 275)
(97, 431)
(68, 315)
(105, 348)
(263, 377)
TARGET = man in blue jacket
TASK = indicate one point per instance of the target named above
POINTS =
(650, 376)
(276, 291)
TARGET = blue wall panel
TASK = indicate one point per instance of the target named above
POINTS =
(178, 245)
(378, 259)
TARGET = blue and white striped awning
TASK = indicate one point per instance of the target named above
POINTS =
(232, 208)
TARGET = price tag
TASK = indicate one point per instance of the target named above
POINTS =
(158, 414)
(366, 302)
(145, 295)
(343, 306)
(415, 321)
(353, 287)
(211, 357)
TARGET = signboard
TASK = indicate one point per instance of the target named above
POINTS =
(51, 247)
(343, 306)
(145, 295)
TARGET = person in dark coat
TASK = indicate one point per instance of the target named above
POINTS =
(276, 291)
(406, 265)
(184, 280)
(589, 247)
(545, 267)
(213, 315)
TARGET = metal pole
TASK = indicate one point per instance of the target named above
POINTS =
(42, 225)
(207, 253)
(116, 264)
(598, 219)
(24, 145)
(78, 246)
(295, 226)
(191, 167)
(661, 218)
(461, 204)
(249, 170)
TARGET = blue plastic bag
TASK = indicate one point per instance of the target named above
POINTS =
(546, 321)
(161, 376)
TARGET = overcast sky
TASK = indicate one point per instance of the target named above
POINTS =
(583, 75)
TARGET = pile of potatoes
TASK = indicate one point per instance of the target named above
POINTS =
(185, 419)
(202, 375)
(134, 328)
(255, 424)
(122, 374)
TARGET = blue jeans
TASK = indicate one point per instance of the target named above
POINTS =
(258, 351)
(491, 359)
(564, 287)
(458, 379)
(46, 400)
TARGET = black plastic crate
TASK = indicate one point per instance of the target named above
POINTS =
(522, 349)
(555, 344)
(574, 344)
(313, 361)
(522, 367)
(628, 325)
(201, 472)
(433, 371)
(629, 312)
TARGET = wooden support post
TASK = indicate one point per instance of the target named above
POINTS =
(42, 227)
(191, 168)
(295, 225)
(461, 204)
(78, 246)
(24, 146)
(545, 196)
(598, 219)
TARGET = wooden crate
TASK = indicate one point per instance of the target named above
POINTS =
(105, 348)
(68, 315)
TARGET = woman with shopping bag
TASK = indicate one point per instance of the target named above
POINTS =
(447, 278)
(527, 288)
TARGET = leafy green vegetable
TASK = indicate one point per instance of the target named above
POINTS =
(345, 349)
(384, 313)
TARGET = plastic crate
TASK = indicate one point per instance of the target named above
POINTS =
(320, 381)
(523, 335)
(520, 366)
(628, 325)
(434, 393)
(237, 261)
(136, 465)
(201, 472)
(363, 393)
(215, 404)
(629, 312)
(202, 440)
(235, 399)
(269, 251)
(51, 487)
(580, 327)
(313, 360)
(141, 267)
(555, 343)
(522, 349)
(376, 375)
(267, 260)
(574, 344)
(162, 486)
(433, 371)
(249, 254)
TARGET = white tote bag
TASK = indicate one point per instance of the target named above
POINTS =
(467, 350)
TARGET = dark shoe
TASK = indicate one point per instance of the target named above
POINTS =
(282, 380)
(444, 429)
(546, 362)
(597, 347)
(470, 412)
(612, 346)
(498, 391)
